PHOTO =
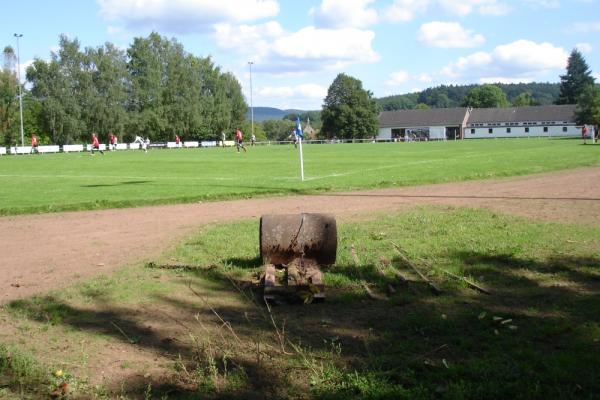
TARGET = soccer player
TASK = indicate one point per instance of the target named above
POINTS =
(113, 141)
(239, 140)
(177, 141)
(34, 145)
(95, 144)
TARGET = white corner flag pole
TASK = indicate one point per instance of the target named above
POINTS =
(301, 159)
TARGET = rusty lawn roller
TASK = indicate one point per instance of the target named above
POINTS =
(288, 236)
(298, 244)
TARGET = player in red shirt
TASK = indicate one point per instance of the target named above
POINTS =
(177, 141)
(239, 140)
(34, 145)
(95, 144)
(113, 141)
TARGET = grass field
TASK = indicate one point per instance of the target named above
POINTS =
(150, 332)
(58, 182)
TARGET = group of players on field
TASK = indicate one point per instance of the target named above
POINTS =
(145, 143)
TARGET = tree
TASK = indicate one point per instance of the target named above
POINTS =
(486, 96)
(522, 100)
(9, 103)
(588, 106)
(278, 129)
(422, 106)
(349, 110)
(573, 83)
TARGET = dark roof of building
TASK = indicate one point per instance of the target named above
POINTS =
(427, 117)
(522, 114)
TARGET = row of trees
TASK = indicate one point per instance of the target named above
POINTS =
(154, 89)
(444, 96)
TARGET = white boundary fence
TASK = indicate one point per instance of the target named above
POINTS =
(69, 148)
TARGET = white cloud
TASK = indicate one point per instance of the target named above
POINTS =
(585, 27)
(311, 49)
(597, 76)
(543, 3)
(307, 96)
(185, 16)
(397, 78)
(448, 34)
(425, 78)
(483, 7)
(522, 60)
(113, 30)
(254, 39)
(404, 10)
(344, 14)
(584, 47)
(307, 90)
(23, 69)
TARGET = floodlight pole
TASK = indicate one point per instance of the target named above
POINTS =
(251, 107)
(20, 35)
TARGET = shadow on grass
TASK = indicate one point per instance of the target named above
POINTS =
(116, 184)
(536, 337)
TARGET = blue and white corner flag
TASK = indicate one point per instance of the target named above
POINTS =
(300, 136)
(299, 128)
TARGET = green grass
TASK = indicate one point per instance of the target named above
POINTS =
(59, 182)
(545, 279)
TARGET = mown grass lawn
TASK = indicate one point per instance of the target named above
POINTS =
(58, 182)
(197, 332)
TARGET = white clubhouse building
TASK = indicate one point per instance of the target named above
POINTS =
(479, 123)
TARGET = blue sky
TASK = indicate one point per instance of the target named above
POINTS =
(299, 46)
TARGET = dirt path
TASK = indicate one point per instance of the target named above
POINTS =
(78, 245)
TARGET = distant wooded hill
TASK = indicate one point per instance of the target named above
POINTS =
(438, 97)
(265, 113)
(453, 96)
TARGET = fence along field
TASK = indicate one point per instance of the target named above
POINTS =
(59, 182)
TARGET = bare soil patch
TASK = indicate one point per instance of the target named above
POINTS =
(44, 252)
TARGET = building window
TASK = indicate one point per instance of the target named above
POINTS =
(473, 131)
(526, 129)
(507, 130)
(491, 130)
(564, 128)
(545, 129)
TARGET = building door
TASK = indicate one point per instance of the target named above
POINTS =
(452, 132)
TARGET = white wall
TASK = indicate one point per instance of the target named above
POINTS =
(437, 132)
(49, 149)
(72, 147)
(519, 131)
(384, 133)
(2, 150)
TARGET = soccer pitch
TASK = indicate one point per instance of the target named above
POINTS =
(78, 181)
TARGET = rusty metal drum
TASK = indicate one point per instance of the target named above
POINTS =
(286, 237)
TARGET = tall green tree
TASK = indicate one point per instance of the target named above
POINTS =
(573, 83)
(107, 90)
(588, 106)
(522, 100)
(486, 96)
(9, 102)
(349, 111)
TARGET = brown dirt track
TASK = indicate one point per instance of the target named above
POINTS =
(44, 252)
